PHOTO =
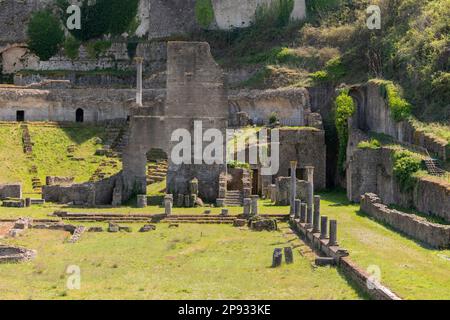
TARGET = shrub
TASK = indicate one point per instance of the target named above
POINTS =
(320, 76)
(275, 14)
(273, 118)
(97, 48)
(236, 164)
(102, 17)
(371, 144)
(345, 107)
(204, 13)
(333, 72)
(406, 164)
(45, 34)
(400, 108)
(72, 47)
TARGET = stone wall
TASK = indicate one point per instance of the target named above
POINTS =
(61, 104)
(433, 234)
(371, 171)
(231, 14)
(306, 146)
(11, 190)
(290, 105)
(374, 115)
(85, 194)
(195, 92)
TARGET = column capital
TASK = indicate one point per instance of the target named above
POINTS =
(138, 59)
(293, 163)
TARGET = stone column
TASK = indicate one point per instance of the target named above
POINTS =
(168, 204)
(247, 205)
(323, 227)
(254, 211)
(309, 202)
(303, 212)
(298, 204)
(333, 233)
(310, 174)
(316, 220)
(141, 200)
(273, 193)
(293, 186)
(139, 61)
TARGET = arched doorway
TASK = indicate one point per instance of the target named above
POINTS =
(79, 115)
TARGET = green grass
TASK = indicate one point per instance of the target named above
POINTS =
(408, 268)
(50, 153)
(191, 262)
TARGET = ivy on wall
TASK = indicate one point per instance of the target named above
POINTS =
(400, 108)
(204, 13)
(345, 107)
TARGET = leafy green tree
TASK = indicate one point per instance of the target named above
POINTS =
(45, 34)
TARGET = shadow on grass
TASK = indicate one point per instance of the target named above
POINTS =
(361, 213)
(79, 133)
(352, 283)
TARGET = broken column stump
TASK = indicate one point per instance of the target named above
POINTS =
(288, 255)
(277, 258)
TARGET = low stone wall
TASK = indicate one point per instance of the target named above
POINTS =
(433, 234)
(51, 181)
(371, 171)
(15, 254)
(375, 290)
(13, 190)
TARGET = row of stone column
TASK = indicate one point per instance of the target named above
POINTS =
(314, 221)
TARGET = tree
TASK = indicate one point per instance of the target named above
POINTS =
(45, 34)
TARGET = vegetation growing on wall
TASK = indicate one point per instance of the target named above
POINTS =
(406, 164)
(204, 13)
(345, 107)
(371, 144)
(45, 34)
(97, 48)
(276, 13)
(72, 47)
(400, 108)
(102, 17)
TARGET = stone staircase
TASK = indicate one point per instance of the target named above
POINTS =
(26, 140)
(432, 166)
(233, 198)
(156, 171)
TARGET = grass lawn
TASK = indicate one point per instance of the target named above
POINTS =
(191, 262)
(50, 153)
(408, 268)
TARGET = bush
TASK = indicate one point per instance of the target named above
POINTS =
(102, 17)
(334, 71)
(345, 107)
(400, 108)
(371, 144)
(273, 118)
(72, 47)
(275, 14)
(204, 13)
(406, 164)
(97, 48)
(236, 164)
(45, 34)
